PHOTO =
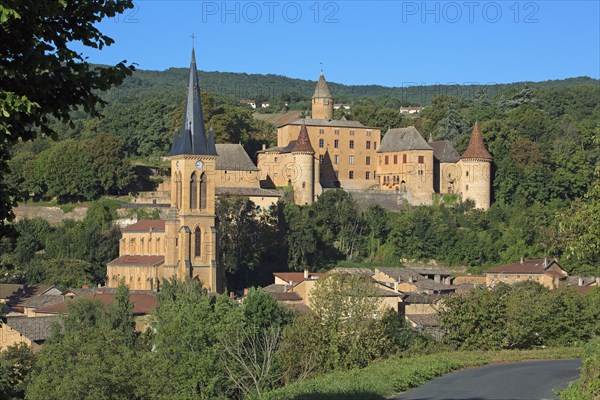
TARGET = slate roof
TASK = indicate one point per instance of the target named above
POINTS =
(136, 260)
(430, 271)
(285, 149)
(7, 290)
(476, 147)
(233, 157)
(192, 138)
(246, 191)
(42, 300)
(421, 298)
(444, 152)
(35, 329)
(297, 277)
(529, 266)
(322, 90)
(585, 280)
(303, 142)
(400, 274)
(425, 320)
(146, 225)
(329, 122)
(354, 271)
(402, 139)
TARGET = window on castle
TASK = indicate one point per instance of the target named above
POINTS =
(336, 143)
(321, 131)
(387, 160)
(197, 242)
(203, 192)
(194, 192)
(374, 145)
(404, 158)
(336, 131)
(351, 132)
(421, 159)
(395, 158)
(336, 159)
(352, 144)
(321, 143)
(350, 174)
(157, 245)
(321, 158)
(351, 160)
(374, 175)
(368, 160)
(467, 187)
(467, 173)
(368, 133)
(367, 175)
(368, 145)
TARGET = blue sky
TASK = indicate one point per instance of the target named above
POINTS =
(391, 43)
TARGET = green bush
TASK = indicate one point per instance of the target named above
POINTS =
(588, 385)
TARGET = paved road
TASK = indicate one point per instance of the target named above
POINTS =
(531, 380)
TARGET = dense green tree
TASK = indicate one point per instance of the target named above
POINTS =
(262, 311)
(16, 362)
(43, 77)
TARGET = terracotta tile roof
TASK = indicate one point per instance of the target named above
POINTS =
(35, 329)
(297, 277)
(529, 266)
(143, 303)
(134, 260)
(303, 142)
(476, 147)
(146, 225)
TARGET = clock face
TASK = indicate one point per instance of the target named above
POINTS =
(199, 164)
(177, 164)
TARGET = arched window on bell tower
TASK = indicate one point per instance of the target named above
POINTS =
(203, 192)
(197, 242)
(194, 191)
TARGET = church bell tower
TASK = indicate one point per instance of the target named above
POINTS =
(190, 229)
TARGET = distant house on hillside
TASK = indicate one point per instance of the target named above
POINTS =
(411, 110)
(251, 103)
(31, 331)
(546, 272)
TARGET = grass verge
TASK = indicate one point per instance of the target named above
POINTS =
(395, 375)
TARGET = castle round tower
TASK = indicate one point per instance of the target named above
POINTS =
(322, 101)
(475, 168)
(304, 161)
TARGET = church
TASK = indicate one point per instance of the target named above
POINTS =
(184, 244)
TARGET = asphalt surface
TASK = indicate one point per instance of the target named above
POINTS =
(531, 380)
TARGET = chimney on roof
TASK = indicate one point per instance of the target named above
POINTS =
(396, 287)
(580, 281)
(305, 273)
(522, 261)
(410, 279)
(545, 262)
(264, 146)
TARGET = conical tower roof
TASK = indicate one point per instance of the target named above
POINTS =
(303, 143)
(193, 138)
(476, 147)
(322, 91)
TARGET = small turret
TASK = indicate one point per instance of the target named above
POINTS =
(322, 101)
(304, 180)
(475, 165)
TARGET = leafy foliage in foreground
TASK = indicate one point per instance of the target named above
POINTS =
(588, 385)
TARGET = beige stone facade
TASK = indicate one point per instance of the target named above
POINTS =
(409, 171)
(548, 273)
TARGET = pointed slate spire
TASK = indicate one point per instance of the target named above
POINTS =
(303, 143)
(476, 147)
(322, 90)
(193, 135)
(212, 148)
(175, 144)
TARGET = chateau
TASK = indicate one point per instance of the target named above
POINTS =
(319, 153)
(313, 154)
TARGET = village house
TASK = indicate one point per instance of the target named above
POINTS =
(546, 272)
